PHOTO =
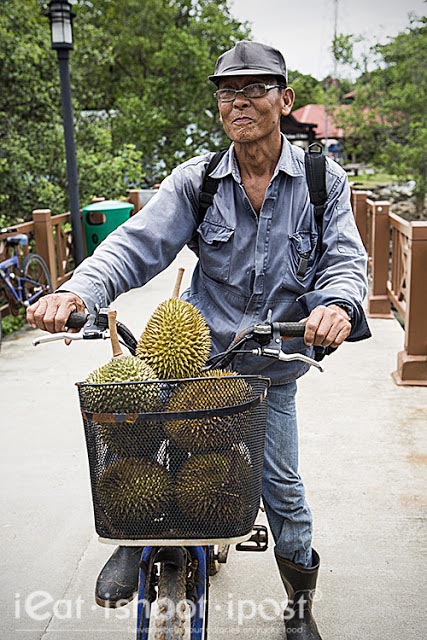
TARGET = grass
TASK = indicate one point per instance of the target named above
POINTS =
(372, 180)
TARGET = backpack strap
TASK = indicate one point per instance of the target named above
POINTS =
(210, 185)
(315, 169)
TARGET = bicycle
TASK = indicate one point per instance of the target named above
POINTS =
(22, 282)
(178, 554)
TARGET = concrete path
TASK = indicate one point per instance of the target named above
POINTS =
(363, 459)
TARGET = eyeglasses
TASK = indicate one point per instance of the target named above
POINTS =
(257, 90)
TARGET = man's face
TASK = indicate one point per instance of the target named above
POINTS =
(253, 119)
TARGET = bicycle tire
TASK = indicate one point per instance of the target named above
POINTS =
(34, 268)
(169, 625)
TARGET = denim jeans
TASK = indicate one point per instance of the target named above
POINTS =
(283, 494)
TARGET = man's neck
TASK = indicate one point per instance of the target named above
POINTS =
(258, 158)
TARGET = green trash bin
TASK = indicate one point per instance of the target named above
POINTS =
(101, 218)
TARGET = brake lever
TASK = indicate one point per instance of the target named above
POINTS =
(286, 357)
(58, 336)
(95, 329)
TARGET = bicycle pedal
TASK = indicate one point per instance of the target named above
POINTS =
(257, 542)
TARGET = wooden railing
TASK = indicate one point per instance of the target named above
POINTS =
(397, 252)
(51, 237)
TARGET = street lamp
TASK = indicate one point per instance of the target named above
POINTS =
(61, 17)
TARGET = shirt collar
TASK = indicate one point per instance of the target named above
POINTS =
(288, 162)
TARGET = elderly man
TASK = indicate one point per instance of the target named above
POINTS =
(249, 244)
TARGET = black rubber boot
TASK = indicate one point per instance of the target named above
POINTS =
(300, 585)
(117, 583)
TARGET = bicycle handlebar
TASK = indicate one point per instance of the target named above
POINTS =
(266, 334)
(290, 329)
(77, 320)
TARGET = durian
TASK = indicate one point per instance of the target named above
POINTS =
(213, 488)
(176, 341)
(211, 432)
(101, 395)
(133, 491)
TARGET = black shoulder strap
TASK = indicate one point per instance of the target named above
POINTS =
(315, 169)
(210, 185)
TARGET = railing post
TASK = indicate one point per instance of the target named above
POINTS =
(45, 245)
(412, 361)
(134, 199)
(360, 210)
(378, 302)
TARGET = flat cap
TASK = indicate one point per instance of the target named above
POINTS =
(250, 58)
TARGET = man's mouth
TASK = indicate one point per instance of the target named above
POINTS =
(242, 120)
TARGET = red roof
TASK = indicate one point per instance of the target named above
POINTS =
(316, 114)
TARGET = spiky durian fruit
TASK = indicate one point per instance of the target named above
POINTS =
(211, 432)
(132, 491)
(176, 341)
(103, 396)
(212, 488)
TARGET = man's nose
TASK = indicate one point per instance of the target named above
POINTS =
(240, 100)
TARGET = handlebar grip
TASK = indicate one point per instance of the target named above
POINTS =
(77, 320)
(290, 329)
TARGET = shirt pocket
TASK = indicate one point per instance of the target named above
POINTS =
(215, 250)
(301, 260)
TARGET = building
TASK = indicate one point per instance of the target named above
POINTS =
(311, 122)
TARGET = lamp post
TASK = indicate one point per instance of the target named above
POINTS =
(60, 17)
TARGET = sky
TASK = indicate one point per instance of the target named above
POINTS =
(303, 30)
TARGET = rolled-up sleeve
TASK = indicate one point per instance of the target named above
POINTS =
(341, 274)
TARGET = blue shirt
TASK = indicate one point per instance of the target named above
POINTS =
(247, 263)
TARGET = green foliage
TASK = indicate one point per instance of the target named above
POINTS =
(387, 121)
(141, 98)
(308, 90)
(10, 323)
(153, 74)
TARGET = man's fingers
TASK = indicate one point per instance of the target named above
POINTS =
(326, 327)
(342, 335)
(51, 312)
(312, 325)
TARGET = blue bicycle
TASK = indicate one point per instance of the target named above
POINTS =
(210, 499)
(22, 282)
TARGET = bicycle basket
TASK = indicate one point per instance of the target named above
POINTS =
(186, 464)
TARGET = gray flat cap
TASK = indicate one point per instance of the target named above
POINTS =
(250, 58)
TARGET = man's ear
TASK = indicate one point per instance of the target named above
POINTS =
(288, 96)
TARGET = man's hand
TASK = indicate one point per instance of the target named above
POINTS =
(327, 326)
(51, 312)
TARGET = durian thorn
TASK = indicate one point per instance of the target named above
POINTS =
(175, 292)
(115, 345)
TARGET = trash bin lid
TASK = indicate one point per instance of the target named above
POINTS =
(108, 205)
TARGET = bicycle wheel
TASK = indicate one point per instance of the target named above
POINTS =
(36, 281)
(169, 623)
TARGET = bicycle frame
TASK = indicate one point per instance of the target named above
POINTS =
(17, 290)
(5, 266)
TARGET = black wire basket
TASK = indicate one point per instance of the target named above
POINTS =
(184, 462)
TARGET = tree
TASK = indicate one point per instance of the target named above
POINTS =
(141, 98)
(153, 74)
(308, 90)
(387, 120)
